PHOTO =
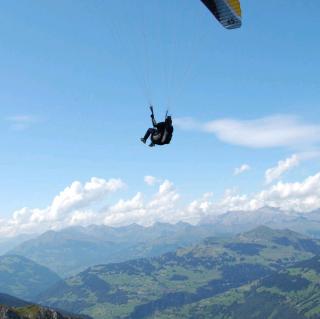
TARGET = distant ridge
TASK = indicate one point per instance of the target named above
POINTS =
(12, 301)
(73, 249)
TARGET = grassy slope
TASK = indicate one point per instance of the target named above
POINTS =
(23, 278)
(141, 288)
(292, 293)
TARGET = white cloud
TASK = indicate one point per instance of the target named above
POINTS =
(162, 207)
(188, 123)
(298, 197)
(243, 168)
(71, 206)
(230, 201)
(150, 180)
(126, 212)
(276, 172)
(199, 208)
(21, 122)
(80, 204)
(266, 132)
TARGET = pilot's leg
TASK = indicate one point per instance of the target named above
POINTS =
(149, 132)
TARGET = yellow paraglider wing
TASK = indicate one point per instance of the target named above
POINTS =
(227, 12)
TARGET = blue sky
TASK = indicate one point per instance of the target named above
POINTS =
(73, 105)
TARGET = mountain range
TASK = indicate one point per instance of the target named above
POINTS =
(216, 269)
(177, 283)
(73, 249)
(239, 221)
(6, 244)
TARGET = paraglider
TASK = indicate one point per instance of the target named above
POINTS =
(160, 133)
(227, 12)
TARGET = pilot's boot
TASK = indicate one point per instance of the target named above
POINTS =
(143, 140)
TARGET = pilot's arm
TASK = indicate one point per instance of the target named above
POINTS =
(154, 122)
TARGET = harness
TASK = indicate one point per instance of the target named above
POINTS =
(161, 138)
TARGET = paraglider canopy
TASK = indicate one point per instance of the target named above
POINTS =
(227, 12)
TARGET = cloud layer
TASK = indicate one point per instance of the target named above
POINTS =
(70, 207)
(85, 203)
(301, 197)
